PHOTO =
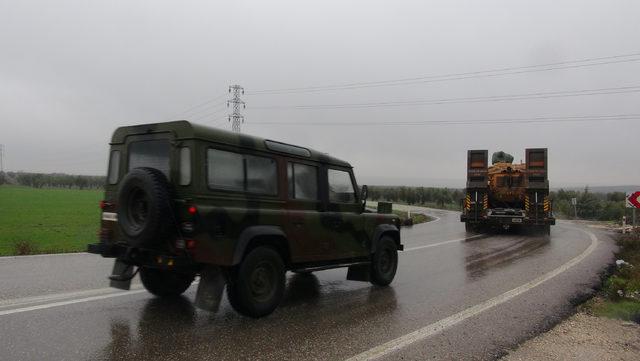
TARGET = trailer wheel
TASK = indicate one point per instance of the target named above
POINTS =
(472, 228)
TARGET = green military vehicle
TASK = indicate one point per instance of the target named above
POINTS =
(184, 200)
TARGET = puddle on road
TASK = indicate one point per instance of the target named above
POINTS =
(485, 254)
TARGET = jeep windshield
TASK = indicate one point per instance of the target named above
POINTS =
(150, 153)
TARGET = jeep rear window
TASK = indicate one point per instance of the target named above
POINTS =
(241, 172)
(340, 187)
(150, 153)
(114, 167)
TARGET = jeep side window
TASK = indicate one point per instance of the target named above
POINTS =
(114, 167)
(303, 181)
(262, 175)
(150, 153)
(225, 170)
(185, 166)
(238, 172)
(341, 189)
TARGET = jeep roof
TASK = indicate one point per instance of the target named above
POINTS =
(183, 129)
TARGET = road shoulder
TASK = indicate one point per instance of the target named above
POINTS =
(583, 337)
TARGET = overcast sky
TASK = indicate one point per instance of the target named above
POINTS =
(73, 71)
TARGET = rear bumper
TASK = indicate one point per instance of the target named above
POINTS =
(508, 220)
(143, 257)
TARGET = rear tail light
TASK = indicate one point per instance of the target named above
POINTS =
(104, 205)
(185, 243)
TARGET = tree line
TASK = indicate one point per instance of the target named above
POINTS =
(430, 196)
(590, 206)
(52, 180)
(593, 206)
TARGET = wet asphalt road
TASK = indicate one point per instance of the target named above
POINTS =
(453, 298)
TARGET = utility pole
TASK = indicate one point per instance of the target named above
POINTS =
(1, 158)
(236, 118)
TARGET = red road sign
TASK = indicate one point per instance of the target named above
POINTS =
(633, 199)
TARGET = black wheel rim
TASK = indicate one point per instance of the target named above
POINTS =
(262, 282)
(137, 209)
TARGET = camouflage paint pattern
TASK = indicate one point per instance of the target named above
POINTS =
(311, 231)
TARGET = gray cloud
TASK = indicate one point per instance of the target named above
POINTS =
(72, 71)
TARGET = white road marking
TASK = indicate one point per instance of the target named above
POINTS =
(18, 302)
(114, 293)
(46, 255)
(442, 243)
(70, 302)
(439, 326)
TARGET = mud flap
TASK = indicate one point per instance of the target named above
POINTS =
(359, 273)
(210, 289)
(121, 275)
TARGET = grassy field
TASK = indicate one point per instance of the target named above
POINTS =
(47, 220)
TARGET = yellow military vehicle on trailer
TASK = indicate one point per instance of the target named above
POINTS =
(505, 195)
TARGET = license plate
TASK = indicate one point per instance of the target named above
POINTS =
(109, 216)
(516, 220)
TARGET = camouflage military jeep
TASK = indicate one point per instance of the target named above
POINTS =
(183, 200)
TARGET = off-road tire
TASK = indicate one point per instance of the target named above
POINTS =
(256, 286)
(303, 272)
(544, 230)
(165, 283)
(144, 207)
(470, 228)
(384, 262)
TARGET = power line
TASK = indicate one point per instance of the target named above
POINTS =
(493, 98)
(199, 105)
(559, 119)
(208, 115)
(208, 108)
(457, 76)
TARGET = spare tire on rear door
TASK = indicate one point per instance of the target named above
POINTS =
(144, 207)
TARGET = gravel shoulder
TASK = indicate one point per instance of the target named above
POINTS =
(583, 337)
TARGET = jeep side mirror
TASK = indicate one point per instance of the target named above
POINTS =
(363, 196)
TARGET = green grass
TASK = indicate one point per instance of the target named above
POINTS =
(628, 310)
(620, 295)
(417, 217)
(47, 220)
